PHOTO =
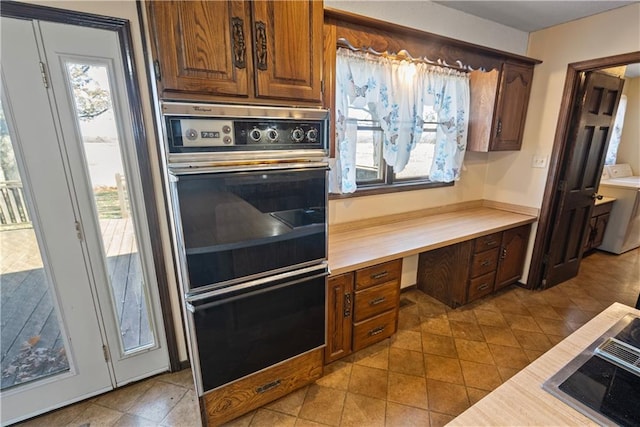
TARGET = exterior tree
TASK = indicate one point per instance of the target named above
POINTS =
(91, 99)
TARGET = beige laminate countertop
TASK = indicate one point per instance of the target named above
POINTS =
(521, 400)
(362, 247)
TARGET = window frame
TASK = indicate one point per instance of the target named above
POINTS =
(389, 183)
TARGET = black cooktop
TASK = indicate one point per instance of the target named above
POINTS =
(603, 389)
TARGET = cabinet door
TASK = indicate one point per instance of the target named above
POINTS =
(443, 273)
(512, 253)
(288, 49)
(201, 47)
(339, 316)
(600, 227)
(511, 109)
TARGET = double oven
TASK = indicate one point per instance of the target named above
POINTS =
(248, 193)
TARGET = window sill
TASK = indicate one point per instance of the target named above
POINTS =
(386, 189)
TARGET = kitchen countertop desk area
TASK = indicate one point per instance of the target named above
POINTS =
(363, 244)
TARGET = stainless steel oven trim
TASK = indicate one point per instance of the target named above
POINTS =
(302, 156)
(268, 276)
(195, 362)
(192, 297)
(242, 111)
(248, 292)
(213, 167)
(181, 253)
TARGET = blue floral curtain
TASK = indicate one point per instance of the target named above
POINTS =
(401, 95)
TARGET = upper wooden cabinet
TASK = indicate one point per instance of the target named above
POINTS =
(499, 100)
(238, 51)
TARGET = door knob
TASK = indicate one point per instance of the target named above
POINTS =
(597, 196)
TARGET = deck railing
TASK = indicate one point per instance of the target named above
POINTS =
(13, 207)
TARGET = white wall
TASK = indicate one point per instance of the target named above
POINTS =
(629, 148)
(438, 19)
(510, 177)
(127, 9)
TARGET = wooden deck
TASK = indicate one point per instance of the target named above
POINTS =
(27, 311)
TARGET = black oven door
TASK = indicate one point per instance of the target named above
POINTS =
(245, 328)
(244, 224)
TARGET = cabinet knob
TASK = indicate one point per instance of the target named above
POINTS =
(261, 45)
(239, 45)
(347, 305)
(379, 275)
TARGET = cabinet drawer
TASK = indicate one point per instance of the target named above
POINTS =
(378, 274)
(601, 209)
(484, 262)
(487, 242)
(481, 286)
(231, 401)
(373, 330)
(376, 300)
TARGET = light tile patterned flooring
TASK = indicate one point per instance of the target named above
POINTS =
(439, 363)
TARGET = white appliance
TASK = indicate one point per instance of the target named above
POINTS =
(623, 229)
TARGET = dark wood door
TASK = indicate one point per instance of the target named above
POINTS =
(339, 317)
(201, 47)
(511, 108)
(592, 122)
(288, 49)
(512, 252)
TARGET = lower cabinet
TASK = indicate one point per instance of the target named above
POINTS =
(463, 272)
(598, 224)
(362, 308)
(230, 401)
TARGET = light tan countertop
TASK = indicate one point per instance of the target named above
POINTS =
(521, 400)
(351, 249)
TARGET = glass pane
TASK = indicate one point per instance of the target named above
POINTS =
(369, 164)
(421, 158)
(98, 127)
(32, 340)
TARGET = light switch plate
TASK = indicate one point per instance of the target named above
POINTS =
(539, 162)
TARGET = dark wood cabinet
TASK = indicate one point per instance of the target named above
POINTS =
(259, 51)
(598, 223)
(498, 105)
(443, 273)
(223, 404)
(339, 316)
(512, 252)
(362, 308)
(463, 272)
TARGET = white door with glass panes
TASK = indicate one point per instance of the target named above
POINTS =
(80, 310)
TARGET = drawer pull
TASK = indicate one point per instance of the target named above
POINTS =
(380, 275)
(376, 331)
(486, 263)
(347, 305)
(483, 286)
(377, 301)
(490, 242)
(268, 386)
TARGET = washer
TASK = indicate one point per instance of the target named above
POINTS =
(623, 229)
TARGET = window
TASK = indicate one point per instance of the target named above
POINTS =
(371, 168)
(398, 123)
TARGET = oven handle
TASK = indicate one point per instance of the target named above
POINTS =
(190, 170)
(193, 309)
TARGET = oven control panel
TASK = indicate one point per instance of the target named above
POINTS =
(204, 134)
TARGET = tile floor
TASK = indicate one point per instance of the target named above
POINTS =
(439, 363)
